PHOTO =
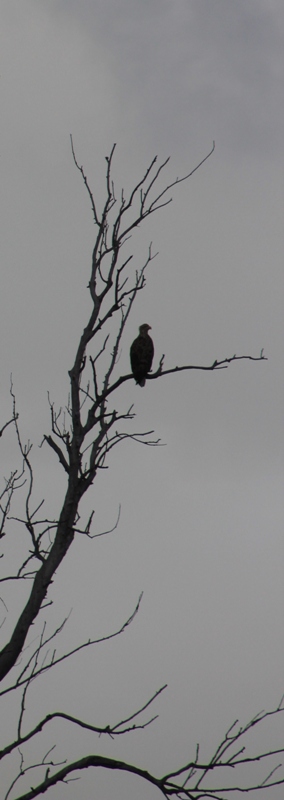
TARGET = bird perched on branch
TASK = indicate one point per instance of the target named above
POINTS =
(141, 355)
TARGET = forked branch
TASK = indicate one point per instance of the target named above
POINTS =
(82, 446)
(182, 783)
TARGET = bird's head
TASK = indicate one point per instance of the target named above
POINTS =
(144, 328)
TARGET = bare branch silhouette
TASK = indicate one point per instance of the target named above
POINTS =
(177, 783)
(83, 433)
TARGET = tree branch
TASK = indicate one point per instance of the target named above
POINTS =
(22, 681)
(58, 451)
(119, 729)
(160, 372)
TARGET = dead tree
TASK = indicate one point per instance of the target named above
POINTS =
(82, 438)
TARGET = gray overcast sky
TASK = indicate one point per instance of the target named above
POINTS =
(201, 528)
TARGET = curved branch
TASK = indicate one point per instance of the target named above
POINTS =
(77, 649)
(223, 364)
(164, 784)
(13, 418)
(168, 784)
(85, 763)
(118, 729)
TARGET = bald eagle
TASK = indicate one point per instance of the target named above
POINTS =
(141, 355)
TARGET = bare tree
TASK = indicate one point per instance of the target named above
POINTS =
(82, 437)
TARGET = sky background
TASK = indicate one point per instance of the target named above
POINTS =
(201, 527)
